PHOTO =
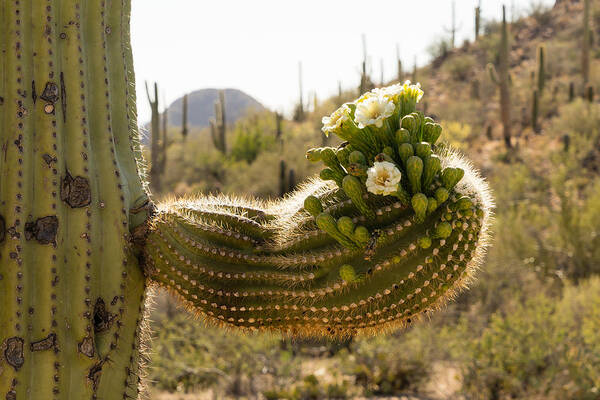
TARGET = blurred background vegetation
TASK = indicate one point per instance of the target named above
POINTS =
(528, 328)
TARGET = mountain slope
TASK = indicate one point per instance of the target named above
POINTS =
(201, 106)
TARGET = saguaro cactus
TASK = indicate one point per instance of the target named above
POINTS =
(218, 125)
(541, 70)
(155, 148)
(401, 234)
(501, 79)
(71, 287)
(587, 40)
(184, 118)
(477, 20)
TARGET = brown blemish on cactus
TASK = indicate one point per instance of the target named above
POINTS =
(63, 95)
(103, 319)
(94, 375)
(45, 344)
(33, 92)
(43, 229)
(11, 395)
(50, 93)
(75, 191)
(13, 352)
(49, 159)
(86, 347)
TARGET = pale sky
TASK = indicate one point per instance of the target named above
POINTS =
(255, 45)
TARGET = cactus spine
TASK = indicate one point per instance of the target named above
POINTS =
(155, 150)
(218, 124)
(184, 118)
(501, 79)
(71, 290)
(78, 230)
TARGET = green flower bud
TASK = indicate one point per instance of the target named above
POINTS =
(464, 203)
(328, 174)
(423, 150)
(330, 159)
(424, 242)
(313, 205)
(327, 223)
(348, 274)
(432, 205)
(405, 150)
(402, 136)
(431, 132)
(342, 156)
(432, 167)
(388, 151)
(443, 230)
(346, 226)
(362, 235)
(410, 124)
(419, 203)
(356, 157)
(441, 195)
(451, 176)
(314, 155)
(354, 189)
(414, 170)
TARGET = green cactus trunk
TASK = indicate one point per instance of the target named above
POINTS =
(71, 290)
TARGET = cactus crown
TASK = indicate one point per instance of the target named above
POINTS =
(399, 229)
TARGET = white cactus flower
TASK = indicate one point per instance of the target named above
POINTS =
(372, 109)
(383, 178)
(335, 120)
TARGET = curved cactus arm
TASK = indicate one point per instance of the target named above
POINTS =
(284, 273)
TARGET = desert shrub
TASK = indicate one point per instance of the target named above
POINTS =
(539, 349)
(387, 365)
(461, 67)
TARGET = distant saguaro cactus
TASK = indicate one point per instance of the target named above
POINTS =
(184, 117)
(299, 110)
(477, 20)
(80, 239)
(218, 125)
(501, 79)
(541, 69)
(587, 41)
(399, 71)
(535, 111)
(155, 150)
(165, 140)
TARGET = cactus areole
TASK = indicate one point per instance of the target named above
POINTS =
(392, 230)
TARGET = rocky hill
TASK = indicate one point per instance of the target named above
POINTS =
(201, 107)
